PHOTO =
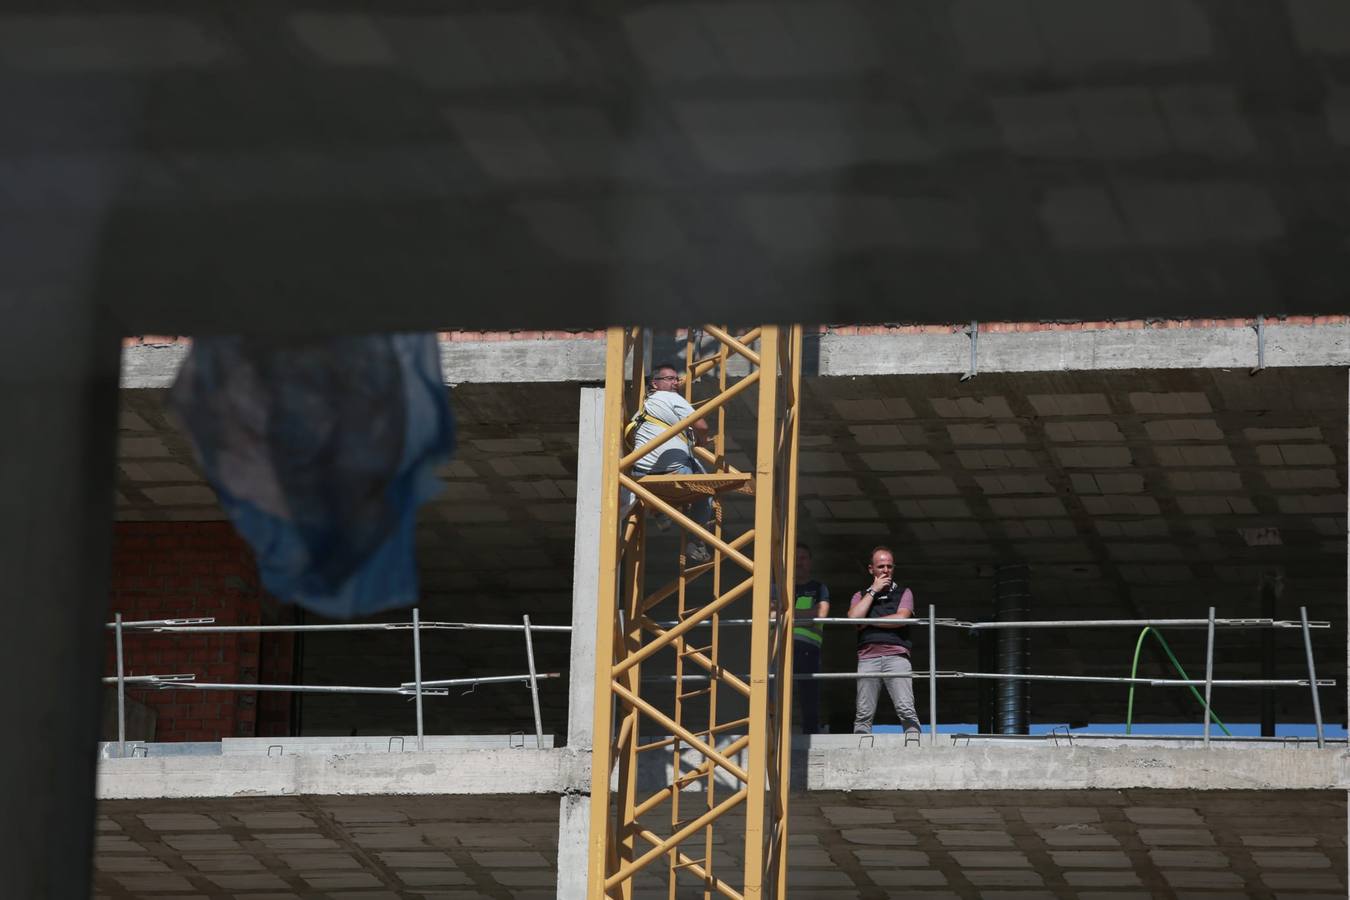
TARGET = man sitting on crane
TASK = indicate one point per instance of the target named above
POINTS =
(665, 406)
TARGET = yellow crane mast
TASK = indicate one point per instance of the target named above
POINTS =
(721, 738)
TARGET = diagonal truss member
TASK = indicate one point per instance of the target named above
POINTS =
(723, 748)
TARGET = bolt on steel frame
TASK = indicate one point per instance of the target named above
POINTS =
(754, 566)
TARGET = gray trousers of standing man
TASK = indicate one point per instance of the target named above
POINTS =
(901, 690)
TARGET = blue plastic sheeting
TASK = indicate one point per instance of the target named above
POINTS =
(321, 452)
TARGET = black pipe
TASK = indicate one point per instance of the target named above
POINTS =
(985, 688)
(1012, 603)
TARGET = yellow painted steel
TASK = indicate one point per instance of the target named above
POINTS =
(788, 485)
(601, 842)
(730, 728)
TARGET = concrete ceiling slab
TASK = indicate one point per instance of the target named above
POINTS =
(413, 167)
(871, 844)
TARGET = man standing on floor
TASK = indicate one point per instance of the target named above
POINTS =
(812, 602)
(883, 646)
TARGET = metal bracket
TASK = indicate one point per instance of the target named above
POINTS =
(1054, 734)
(1260, 327)
(402, 744)
(867, 737)
(974, 334)
(281, 751)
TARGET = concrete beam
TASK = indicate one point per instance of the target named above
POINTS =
(151, 365)
(429, 772)
(523, 361)
(1066, 351)
(889, 766)
(885, 766)
(462, 362)
(843, 355)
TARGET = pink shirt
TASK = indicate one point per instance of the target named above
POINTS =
(872, 651)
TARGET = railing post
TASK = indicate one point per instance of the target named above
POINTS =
(1312, 676)
(122, 691)
(534, 687)
(1209, 671)
(932, 675)
(417, 673)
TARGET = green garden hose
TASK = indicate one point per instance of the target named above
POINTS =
(1134, 669)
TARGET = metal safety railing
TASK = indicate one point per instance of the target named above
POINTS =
(420, 687)
(417, 688)
(1211, 623)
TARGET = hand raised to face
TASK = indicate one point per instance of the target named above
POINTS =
(881, 570)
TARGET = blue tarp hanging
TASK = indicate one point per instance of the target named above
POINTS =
(321, 452)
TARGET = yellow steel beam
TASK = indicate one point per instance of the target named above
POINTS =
(710, 881)
(688, 524)
(607, 603)
(725, 676)
(679, 731)
(733, 343)
(758, 750)
(703, 366)
(667, 590)
(792, 421)
(734, 747)
(695, 866)
(633, 571)
(693, 621)
(665, 846)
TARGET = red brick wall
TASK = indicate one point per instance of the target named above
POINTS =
(165, 570)
(276, 665)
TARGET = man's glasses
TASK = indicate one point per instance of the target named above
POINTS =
(666, 378)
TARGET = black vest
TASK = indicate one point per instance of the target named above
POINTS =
(885, 604)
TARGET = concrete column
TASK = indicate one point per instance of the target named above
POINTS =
(574, 817)
(58, 390)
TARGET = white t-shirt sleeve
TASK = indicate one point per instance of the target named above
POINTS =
(679, 408)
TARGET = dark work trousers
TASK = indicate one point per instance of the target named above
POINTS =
(806, 661)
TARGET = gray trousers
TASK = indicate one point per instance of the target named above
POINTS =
(900, 689)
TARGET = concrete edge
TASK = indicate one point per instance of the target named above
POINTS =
(154, 366)
(566, 772)
(367, 774)
(1066, 351)
(1076, 768)
(582, 360)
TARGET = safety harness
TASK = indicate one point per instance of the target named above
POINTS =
(630, 430)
